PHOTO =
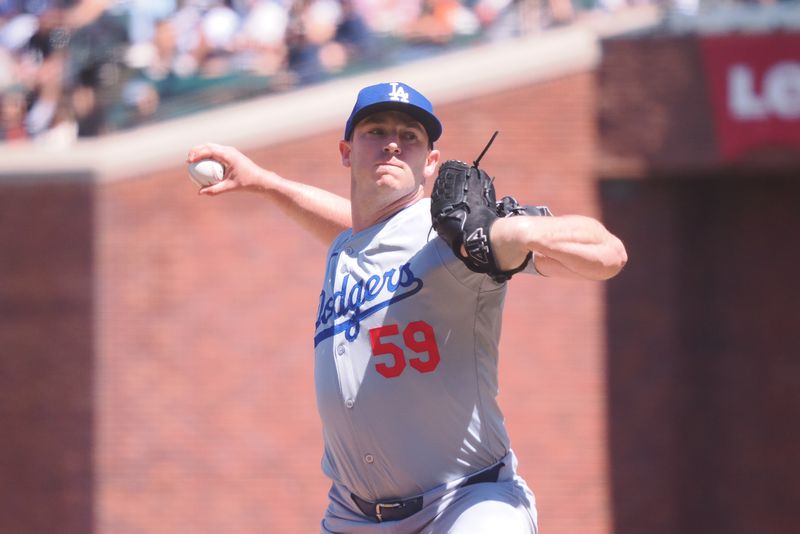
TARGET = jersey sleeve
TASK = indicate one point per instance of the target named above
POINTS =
(531, 267)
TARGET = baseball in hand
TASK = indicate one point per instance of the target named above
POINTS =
(206, 172)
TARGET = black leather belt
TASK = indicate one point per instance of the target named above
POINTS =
(387, 510)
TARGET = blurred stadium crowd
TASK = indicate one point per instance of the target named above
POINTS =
(81, 68)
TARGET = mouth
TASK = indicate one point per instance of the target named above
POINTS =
(390, 163)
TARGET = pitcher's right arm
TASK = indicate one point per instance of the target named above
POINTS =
(321, 212)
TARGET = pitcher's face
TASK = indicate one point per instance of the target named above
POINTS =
(389, 149)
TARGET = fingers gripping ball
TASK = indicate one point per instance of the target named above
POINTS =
(206, 172)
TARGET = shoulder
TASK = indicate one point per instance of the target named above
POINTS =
(339, 241)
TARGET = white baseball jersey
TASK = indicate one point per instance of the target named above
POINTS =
(406, 345)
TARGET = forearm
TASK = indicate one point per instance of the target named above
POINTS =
(321, 212)
(570, 244)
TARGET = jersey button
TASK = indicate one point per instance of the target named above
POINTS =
(349, 251)
(340, 349)
(349, 403)
(369, 458)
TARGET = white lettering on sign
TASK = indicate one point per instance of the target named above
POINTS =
(779, 94)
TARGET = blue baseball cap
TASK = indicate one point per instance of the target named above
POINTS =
(394, 96)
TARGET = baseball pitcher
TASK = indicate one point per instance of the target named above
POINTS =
(407, 329)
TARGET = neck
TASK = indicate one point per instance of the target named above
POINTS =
(366, 214)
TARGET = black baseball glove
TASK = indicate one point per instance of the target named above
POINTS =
(464, 208)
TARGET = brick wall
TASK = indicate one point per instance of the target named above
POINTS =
(206, 418)
(702, 366)
(704, 379)
(653, 108)
(47, 356)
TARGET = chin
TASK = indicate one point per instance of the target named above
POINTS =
(388, 180)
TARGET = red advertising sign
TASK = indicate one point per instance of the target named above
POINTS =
(754, 83)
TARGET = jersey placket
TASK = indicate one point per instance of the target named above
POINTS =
(348, 381)
(348, 367)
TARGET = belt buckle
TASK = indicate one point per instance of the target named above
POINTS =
(380, 505)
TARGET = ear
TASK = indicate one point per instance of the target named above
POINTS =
(344, 149)
(430, 163)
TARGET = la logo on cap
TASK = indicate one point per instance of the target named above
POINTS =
(398, 94)
(388, 96)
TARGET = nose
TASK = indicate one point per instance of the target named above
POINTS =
(392, 148)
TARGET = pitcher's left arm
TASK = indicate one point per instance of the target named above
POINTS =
(568, 246)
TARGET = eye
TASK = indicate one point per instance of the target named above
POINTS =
(377, 131)
(410, 135)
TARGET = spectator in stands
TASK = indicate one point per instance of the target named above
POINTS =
(62, 131)
(389, 17)
(88, 114)
(143, 17)
(12, 116)
(441, 20)
(313, 54)
(142, 98)
(354, 35)
(48, 46)
(219, 27)
(189, 50)
(262, 41)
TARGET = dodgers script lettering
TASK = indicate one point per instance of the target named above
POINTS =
(348, 301)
